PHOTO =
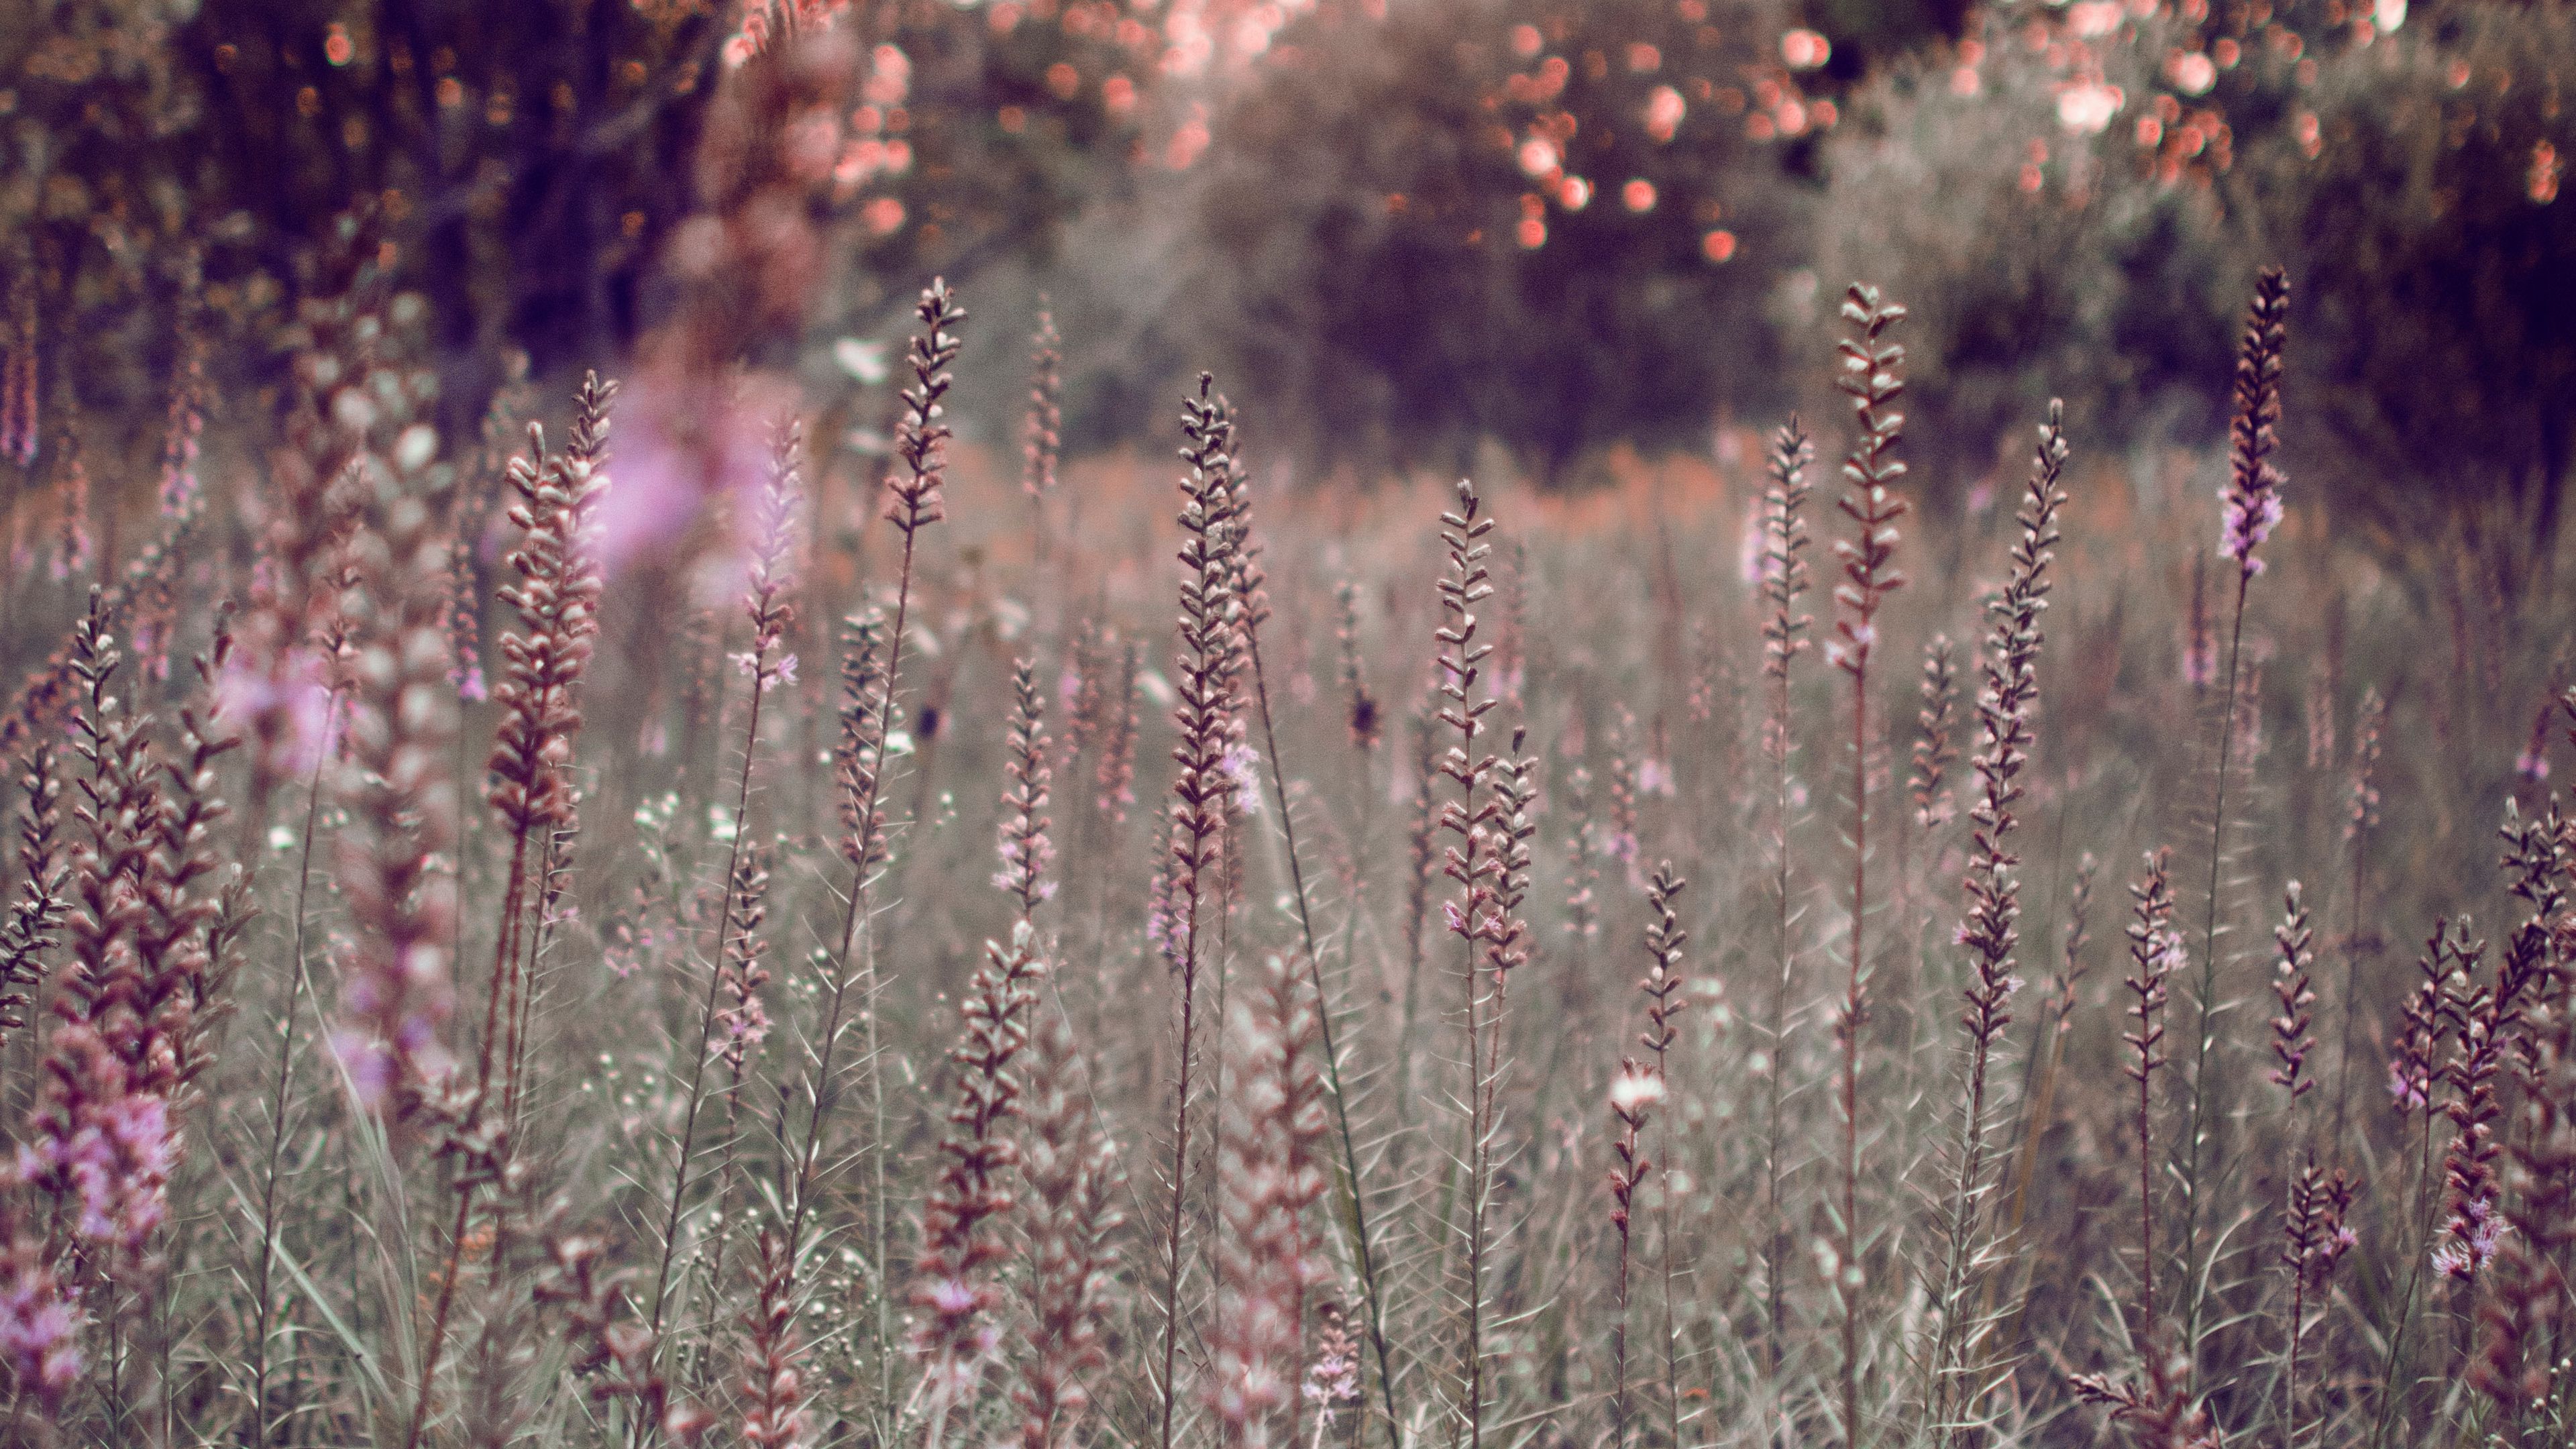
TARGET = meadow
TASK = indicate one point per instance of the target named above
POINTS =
(679, 916)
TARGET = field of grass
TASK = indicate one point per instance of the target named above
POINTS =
(1008, 950)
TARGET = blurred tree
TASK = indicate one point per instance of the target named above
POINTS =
(1867, 34)
(1547, 224)
(526, 164)
(2040, 249)
(2434, 348)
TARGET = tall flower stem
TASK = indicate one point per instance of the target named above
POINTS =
(2252, 508)
(1873, 376)
(1204, 717)
(1354, 1201)
(1990, 927)
(921, 445)
(768, 604)
(1784, 579)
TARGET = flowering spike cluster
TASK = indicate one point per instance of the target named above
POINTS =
(2481, 1016)
(2526, 1309)
(2314, 1235)
(1463, 586)
(557, 599)
(1784, 548)
(1333, 1374)
(392, 854)
(1634, 1092)
(2007, 691)
(2538, 1218)
(2423, 1025)
(140, 592)
(1071, 1173)
(921, 439)
(2252, 502)
(868, 713)
(28, 932)
(2156, 1401)
(2293, 1036)
(1497, 918)
(1873, 374)
(295, 629)
(1205, 712)
(1662, 983)
(1933, 752)
(2155, 954)
(773, 1387)
(743, 1022)
(101, 1143)
(1269, 1173)
(1025, 850)
(2536, 859)
(1492, 820)
(769, 596)
(182, 941)
(1042, 443)
(1251, 580)
(1082, 688)
(954, 1286)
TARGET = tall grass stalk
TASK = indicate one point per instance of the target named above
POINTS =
(914, 503)
(1255, 603)
(769, 603)
(1990, 926)
(1662, 986)
(1872, 374)
(1205, 718)
(1475, 861)
(2252, 509)
(1785, 579)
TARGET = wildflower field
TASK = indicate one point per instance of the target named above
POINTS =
(1115, 724)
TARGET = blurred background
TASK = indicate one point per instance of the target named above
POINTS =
(1530, 236)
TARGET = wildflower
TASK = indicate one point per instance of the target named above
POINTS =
(1333, 1378)
(2252, 501)
(2475, 1235)
(1635, 1089)
(40, 1323)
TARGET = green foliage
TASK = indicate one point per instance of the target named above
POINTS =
(2037, 260)
(1424, 232)
(527, 166)
(2436, 357)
